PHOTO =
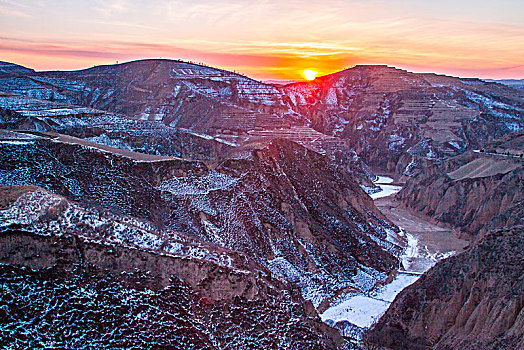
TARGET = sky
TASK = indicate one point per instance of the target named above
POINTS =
(270, 39)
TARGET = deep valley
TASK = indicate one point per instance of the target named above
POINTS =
(165, 204)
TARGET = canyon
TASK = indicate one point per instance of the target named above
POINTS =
(194, 200)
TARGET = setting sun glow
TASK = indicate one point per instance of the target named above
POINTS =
(271, 39)
(310, 74)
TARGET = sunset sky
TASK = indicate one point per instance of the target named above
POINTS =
(270, 39)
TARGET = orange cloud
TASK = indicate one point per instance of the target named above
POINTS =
(264, 60)
(270, 39)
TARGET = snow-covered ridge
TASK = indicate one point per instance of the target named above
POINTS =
(31, 210)
(192, 185)
(252, 90)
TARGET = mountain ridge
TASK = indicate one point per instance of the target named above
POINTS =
(192, 159)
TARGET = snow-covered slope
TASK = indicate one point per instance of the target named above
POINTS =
(395, 119)
(289, 209)
(84, 278)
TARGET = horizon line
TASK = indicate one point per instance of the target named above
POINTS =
(204, 64)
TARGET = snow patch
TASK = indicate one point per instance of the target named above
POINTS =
(387, 190)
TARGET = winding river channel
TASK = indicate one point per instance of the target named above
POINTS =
(427, 243)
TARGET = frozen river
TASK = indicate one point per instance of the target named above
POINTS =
(384, 183)
(426, 244)
(364, 310)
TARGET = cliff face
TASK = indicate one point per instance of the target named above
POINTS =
(470, 301)
(472, 204)
(288, 208)
(77, 277)
(475, 191)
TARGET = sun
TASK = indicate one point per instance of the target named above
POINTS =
(310, 74)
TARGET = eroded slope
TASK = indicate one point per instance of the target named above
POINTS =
(470, 301)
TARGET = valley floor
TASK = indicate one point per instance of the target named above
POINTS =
(427, 243)
(433, 241)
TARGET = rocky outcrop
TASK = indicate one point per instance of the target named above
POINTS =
(470, 301)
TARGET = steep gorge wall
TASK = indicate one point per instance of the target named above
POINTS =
(471, 204)
(473, 300)
(26, 249)
(288, 208)
(67, 292)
